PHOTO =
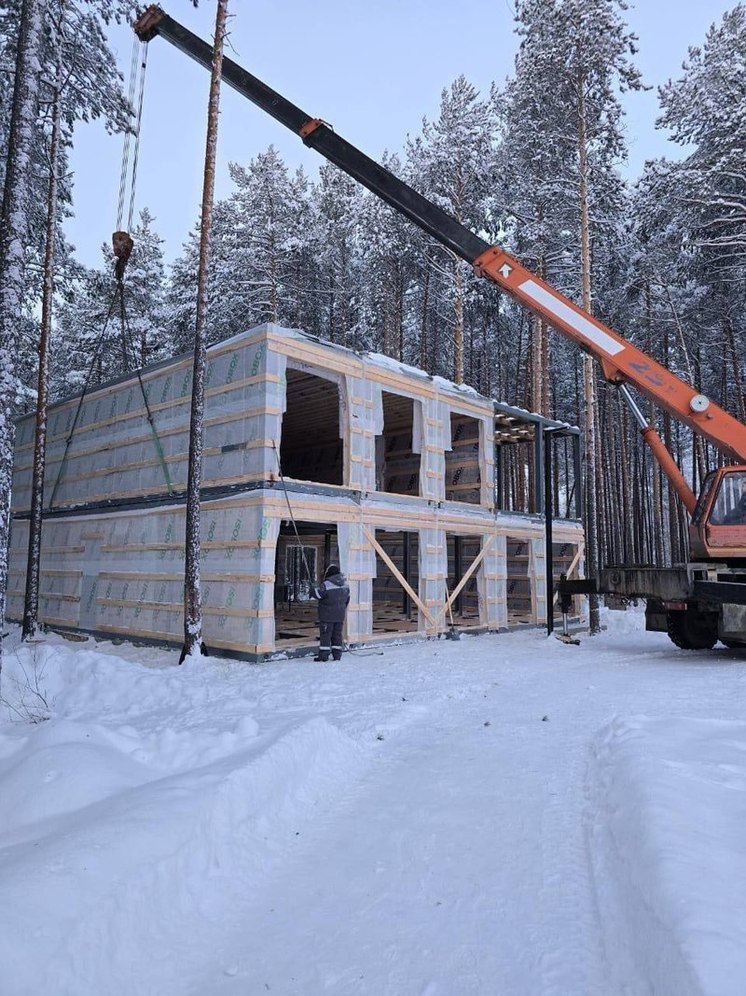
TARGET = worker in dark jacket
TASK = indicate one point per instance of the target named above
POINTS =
(334, 596)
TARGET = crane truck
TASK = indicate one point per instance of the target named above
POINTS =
(697, 603)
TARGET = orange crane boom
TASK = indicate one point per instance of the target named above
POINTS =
(621, 361)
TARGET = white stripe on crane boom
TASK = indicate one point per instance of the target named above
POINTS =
(583, 326)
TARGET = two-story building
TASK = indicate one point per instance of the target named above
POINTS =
(312, 453)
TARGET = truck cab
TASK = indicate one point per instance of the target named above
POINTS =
(718, 527)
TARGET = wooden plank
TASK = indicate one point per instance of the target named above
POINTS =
(208, 610)
(474, 564)
(161, 490)
(213, 353)
(163, 433)
(398, 575)
(163, 406)
(207, 545)
(141, 575)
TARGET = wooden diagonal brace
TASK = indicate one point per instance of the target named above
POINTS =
(399, 576)
(472, 567)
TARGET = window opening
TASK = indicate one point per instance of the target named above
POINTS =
(311, 447)
(520, 603)
(463, 473)
(393, 611)
(462, 552)
(397, 466)
(296, 615)
(299, 561)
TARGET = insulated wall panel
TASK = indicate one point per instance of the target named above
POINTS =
(433, 573)
(104, 446)
(358, 562)
(493, 584)
(123, 573)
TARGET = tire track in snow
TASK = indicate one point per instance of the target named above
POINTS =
(432, 870)
(572, 961)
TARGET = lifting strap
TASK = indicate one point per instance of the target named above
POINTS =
(290, 510)
(156, 439)
(118, 293)
(139, 55)
(69, 439)
(122, 245)
(126, 332)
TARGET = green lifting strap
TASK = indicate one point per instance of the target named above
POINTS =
(69, 438)
(156, 439)
(149, 414)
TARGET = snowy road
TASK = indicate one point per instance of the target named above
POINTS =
(450, 818)
(455, 865)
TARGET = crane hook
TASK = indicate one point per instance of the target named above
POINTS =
(123, 245)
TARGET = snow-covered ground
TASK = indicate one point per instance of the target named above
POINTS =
(498, 815)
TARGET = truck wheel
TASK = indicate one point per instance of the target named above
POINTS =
(692, 630)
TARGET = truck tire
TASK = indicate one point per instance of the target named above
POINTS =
(693, 630)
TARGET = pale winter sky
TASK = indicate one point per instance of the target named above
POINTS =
(370, 69)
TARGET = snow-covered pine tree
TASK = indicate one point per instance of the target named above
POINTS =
(144, 291)
(335, 204)
(192, 541)
(33, 564)
(257, 246)
(14, 230)
(586, 53)
(705, 110)
(387, 250)
(38, 35)
(533, 196)
(92, 346)
(451, 162)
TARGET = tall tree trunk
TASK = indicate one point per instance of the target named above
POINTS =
(627, 522)
(344, 298)
(14, 229)
(458, 323)
(33, 567)
(539, 401)
(423, 319)
(193, 546)
(589, 370)
(699, 458)
(399, 284)
(736, 360)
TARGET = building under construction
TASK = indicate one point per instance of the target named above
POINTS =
(312, 453)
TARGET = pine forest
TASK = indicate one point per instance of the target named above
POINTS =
(535, 165)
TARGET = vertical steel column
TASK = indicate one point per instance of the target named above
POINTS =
(457, 573)
(498, 481)
(538, 468)
(406, 560)
(548, 514)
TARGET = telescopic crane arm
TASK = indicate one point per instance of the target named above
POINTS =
(621, 362)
